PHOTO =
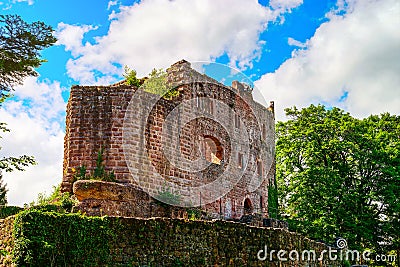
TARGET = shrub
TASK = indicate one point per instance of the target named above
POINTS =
(99, 173)
(6, 211)
(158, 84)
(130, 77)
(56, 201)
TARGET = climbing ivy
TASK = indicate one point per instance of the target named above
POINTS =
(54, 239)
(6, 211)
(273, 202)
(37, 244)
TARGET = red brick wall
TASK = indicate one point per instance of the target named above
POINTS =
(95, 117)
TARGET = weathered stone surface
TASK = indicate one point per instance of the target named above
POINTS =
(91, 189)
(6, 241)
(269, 222)
(98, 198)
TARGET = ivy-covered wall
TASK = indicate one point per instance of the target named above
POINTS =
(53, 239)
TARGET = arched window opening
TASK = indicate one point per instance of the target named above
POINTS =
(212, 149)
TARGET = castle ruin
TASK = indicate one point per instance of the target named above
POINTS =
(219, 158)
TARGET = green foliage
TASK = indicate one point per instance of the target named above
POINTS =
(167, 197)
(340, 176)
(16, 163)
(130, 77)
(20, 46)
(53, 239)
(272, 202)
(6, 211)
(3, 192)
(194, 214)
(99, 173)
(56, 201)
(157, 84)
(79, 173)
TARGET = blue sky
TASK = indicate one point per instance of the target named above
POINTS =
(343, 53)
(300, 23)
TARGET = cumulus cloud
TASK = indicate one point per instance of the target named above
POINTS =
(352, 61)
(159, 32)
(72, 37)
(34, 117)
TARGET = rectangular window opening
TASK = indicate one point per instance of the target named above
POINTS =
(264, 131)
(259, 168)
(240, 160)
(237, 121)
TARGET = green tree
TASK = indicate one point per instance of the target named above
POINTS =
(3, 192)
(339, 176)
(156, 83)
(130, 77)
(20, 46)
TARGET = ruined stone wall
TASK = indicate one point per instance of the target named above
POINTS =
(95, 119)
(6, 241)
(95, 116)
(51, 239)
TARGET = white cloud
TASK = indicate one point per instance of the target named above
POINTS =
(294, 42)
(72, 36)
(34, 118)
(286, 5)
(8, 4)
(357, 53)
(156, 33)
(30, 2)
(111, 4)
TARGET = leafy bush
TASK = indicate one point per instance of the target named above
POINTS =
(99, 173)
(158, 84)
(194, 214)
(6, 211)
(130, 77)
(56, 201)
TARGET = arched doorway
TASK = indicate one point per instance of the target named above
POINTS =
(247, 206)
